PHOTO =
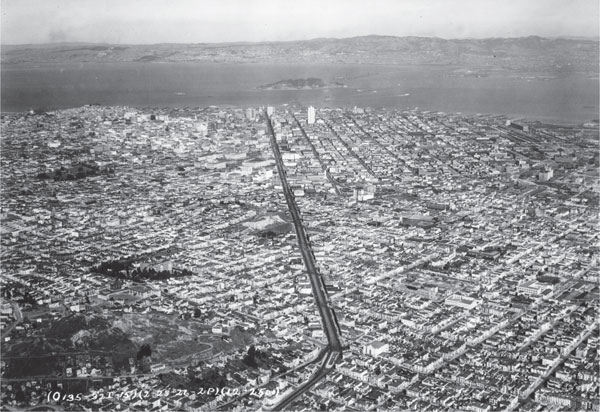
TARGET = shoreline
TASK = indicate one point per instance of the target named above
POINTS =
(546, 120)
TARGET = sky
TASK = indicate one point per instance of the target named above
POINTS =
(200, 21)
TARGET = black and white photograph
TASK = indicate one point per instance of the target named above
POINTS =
(316, 205)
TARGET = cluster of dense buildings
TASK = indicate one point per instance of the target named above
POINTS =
(460, 253)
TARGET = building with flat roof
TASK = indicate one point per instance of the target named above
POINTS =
(532, 287)
(376, 348)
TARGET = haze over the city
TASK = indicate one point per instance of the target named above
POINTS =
(185, 21)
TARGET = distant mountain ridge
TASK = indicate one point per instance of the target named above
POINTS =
(529, 54)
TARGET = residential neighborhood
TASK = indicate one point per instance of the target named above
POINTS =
(458, 252)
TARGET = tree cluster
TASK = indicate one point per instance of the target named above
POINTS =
(143, 357)
(145, 351)
(121, 269)
(76, 172)
(254, 356)
(208, 378)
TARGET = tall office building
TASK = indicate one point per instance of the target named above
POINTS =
(270, 110)
(311, 115)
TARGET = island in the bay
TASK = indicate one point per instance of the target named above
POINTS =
(299, 84)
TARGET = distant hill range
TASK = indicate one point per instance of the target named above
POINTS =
(529, 54)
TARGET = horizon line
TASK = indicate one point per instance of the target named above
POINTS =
(561, 37)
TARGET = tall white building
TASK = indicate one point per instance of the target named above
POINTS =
(311, 115)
